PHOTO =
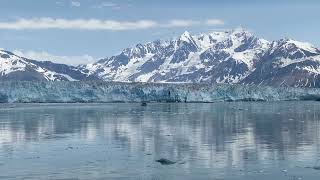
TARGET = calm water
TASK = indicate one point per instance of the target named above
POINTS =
(235, 141)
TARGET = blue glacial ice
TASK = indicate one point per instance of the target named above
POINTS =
(51, 92)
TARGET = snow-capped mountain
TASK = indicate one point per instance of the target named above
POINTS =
(231, 57)
(13, 67)
(288, 63)
(219, 57)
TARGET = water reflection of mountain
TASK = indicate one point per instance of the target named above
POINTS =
(228, 133)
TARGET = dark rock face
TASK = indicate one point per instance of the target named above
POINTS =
(5, 56)
(185, 45)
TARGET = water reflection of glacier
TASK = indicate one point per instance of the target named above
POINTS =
(219, 136)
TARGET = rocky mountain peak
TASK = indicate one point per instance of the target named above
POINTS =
(233, 57)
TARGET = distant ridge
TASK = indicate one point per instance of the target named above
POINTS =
(225, 57)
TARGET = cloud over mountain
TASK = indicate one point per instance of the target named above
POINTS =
(97, 24)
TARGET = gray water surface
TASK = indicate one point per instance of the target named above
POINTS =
(233, 141)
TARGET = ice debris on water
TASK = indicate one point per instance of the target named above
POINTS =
(163, 161)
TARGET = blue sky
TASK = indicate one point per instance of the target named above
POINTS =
(80, 31)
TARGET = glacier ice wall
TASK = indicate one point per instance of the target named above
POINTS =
(50, 92)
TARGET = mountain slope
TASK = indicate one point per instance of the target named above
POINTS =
(224, 57)
(230, 57)
(233, 57)
(13, 67)
(288, 63)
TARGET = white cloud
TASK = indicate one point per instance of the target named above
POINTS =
(107, 4)
(116, 8)
(75, 4)
(181, 23)
(90, 24)
(59, 3)
(213, 22)
(96, 24)
(45, 56)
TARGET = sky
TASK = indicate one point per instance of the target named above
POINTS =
(83, 31)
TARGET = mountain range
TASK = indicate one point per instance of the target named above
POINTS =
(230, 57)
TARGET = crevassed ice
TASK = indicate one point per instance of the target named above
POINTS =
(22, 91)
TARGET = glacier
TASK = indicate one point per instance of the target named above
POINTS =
(103, 92)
